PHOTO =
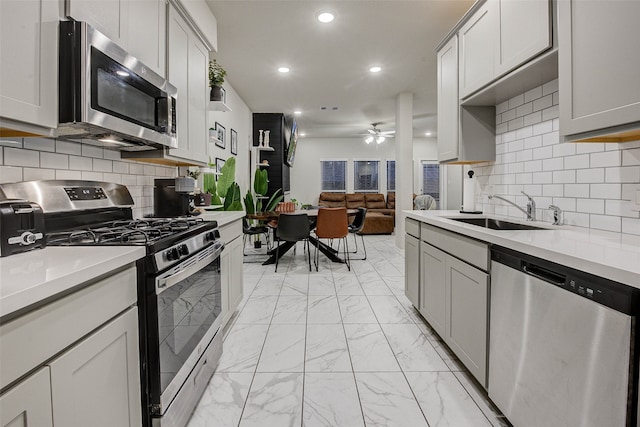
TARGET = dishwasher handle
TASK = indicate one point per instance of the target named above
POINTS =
(544, 274)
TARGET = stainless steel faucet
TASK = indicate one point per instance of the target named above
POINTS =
(530, 210)
(557, 214)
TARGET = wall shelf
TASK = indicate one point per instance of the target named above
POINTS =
(259, 148)
(219, 106)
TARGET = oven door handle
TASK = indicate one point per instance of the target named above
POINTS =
(164, 283)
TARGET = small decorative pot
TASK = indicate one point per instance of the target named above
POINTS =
(216, 93)
(257, 244)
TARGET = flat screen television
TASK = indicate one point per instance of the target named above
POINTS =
(293, 143)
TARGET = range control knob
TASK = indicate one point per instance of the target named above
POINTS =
(183, 249)
(28, 238)
(172, 254)
(210, 236)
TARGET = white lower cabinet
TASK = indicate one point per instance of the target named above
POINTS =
(454, 295)
(97, 382)
(29, 403)
(231, 269)
(412, 269)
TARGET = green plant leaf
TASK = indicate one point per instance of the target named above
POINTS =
(274, 200)
(209, 183)
(248, 203)
(261, 182)
(228, 176)
(232, 199)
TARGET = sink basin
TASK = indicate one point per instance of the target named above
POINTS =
(497, 224)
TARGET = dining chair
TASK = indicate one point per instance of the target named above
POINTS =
(293, 228)
(332, 224)
(355, 227)
(250, 230)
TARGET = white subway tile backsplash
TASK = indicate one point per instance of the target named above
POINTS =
(129, 180)
(576, 219)
(621, 208)
(605, 222)
(554, 164)
(120, 167)
(80, 163)
(92, 151)
(525, 132)
(10, 142)
(524, 178)
(533, 189)
(524, 109)
(543, 152)
(605, 159)
(591, 147)
(112, 177)
(542, 178)
(590, 175)
(564, 177)
(631, 226)
(543, 127)
(553, 190)
(533, 166)
(542, 103)
(502, 107)
(1, 156)
(515, 168)
(556, 98)
(508, 116)
(576, 190)
(39, 144)
(533, 118)
(100, 165)
(628, 174)
(112, 155)
(550, 87)
(20, 157)
(92, 176)
(502, 128)
(516, 123)
(550, 113)
(551, 138)
(68, 147)
(508, 136)
(35, 174)
(565, 203)
(10, 174)
(631, 157)
(53, 161)
(524, 155)
(562, 150)
(532, 94)
(580, 161)
(68, 174)
(595, 206)
(136, 169)
(516, 145)
(606, 191)
(516, 101)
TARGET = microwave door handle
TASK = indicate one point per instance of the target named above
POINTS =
(167, 282)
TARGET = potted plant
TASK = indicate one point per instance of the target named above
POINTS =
(255, 205)
(216, 79)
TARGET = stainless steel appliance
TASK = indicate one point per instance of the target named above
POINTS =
(109, 97)
(173, 197)
(563, 347)
(21, 226)
(179, 285)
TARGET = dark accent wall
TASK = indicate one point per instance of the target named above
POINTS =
(278, 139)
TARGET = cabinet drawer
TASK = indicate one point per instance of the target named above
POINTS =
(412, 227)
(228, 232)
(30, 340)
(471, 251)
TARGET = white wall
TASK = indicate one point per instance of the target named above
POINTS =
(593, 183)
(305, 175)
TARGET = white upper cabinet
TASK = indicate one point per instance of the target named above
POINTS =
(148, 33)
(29, 65)
(110, 17)
(479, 37)
(525, 31)
(500, 36)
(448, 103)
(599, 62)
(187, 71)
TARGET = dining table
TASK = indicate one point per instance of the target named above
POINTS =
(327, 250)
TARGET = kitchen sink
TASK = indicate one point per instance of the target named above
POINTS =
(498, 224)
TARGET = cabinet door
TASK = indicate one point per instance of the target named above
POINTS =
(110, 17)
(198, 99)
(225, 277)
(448, 102)
(525, 31)
(178, 75)
(148, 33)
(412, 269)
(236, 282)
(433, 286)
(97, 382)
(29, 65)
(467, 314)
(479, 38)
(28, 403)
(598, 65)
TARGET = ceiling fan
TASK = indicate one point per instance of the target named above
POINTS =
(377, 135)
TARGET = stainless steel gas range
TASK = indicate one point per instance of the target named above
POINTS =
(179, 284)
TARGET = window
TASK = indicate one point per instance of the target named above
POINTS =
(365, 174)
(431, 180)
(391, 175)
(334, 174)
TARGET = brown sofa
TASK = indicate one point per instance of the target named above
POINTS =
(380, 217)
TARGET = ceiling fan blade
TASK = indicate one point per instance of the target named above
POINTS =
(372, 131)
(388, 132)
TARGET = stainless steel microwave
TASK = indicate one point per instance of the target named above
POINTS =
(108, 97)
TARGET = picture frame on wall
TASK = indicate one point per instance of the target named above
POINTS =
(223, 92)
(234, 142)
(219, 164)
(220, 130)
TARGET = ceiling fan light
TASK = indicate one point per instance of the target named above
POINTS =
(325, 16)
(368, 139)
(380, 139)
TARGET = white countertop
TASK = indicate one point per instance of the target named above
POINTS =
(34, 276)
(223, 217)
(614, 256)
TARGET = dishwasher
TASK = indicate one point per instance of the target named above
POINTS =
(562, 346)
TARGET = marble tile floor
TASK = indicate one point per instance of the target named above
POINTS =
(337, 348)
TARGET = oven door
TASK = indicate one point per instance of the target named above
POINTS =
(186, 308)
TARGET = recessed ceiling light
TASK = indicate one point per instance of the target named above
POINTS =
(303, 134)
(297, 112)
(375, 69)
(284, 69)
(325, 16)
(428, 133)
